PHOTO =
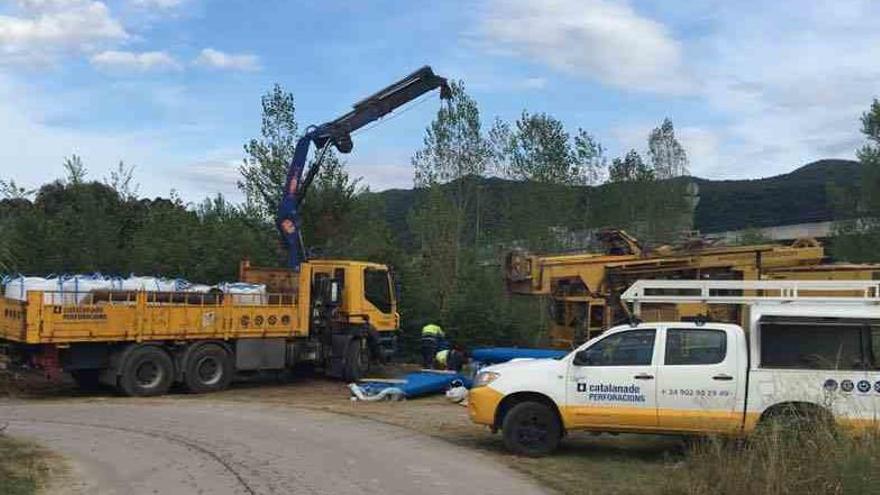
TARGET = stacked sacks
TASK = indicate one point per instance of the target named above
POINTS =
(79, 289)
(18, 287)
(243, 293)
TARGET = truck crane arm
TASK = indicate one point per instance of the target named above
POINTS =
(338, 134)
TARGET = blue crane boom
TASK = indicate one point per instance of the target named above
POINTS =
(338, 134)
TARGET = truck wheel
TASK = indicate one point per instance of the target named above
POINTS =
(148, 371)
(531, 429)
(86, 379)
(208, 369)
(357, 360)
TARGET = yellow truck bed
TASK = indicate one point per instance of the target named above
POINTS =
(142, 316)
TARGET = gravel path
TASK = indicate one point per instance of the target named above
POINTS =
(177, 446)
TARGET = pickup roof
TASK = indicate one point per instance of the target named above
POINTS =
(692, 378)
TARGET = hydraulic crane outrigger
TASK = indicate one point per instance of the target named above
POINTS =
(338, 133)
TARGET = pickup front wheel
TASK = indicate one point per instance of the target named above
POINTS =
(531, 429)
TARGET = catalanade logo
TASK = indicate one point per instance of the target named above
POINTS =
(612, 393)
(83, 313)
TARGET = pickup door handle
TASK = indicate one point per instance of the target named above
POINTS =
(644, 376)
(723, 377)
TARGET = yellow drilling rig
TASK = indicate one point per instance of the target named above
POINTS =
(583, 288)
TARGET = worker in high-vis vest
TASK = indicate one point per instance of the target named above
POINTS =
(432, 335)
(450, 359)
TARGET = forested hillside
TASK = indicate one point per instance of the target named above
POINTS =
(804, 195)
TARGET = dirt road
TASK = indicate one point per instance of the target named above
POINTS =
(176, 446)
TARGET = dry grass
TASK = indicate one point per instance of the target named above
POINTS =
(24, 466)
(783, 459)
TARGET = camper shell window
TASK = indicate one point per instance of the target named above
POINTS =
(819, 343)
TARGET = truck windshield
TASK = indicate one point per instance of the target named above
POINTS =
(377, 290)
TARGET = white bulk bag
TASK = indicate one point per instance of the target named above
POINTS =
(243, 293)
(18, 287)
(75, 289)
(149, 284)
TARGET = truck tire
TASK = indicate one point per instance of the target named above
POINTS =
(148, 371)
(208, 369)
(531, 429)
(357, 360)
(86, 379)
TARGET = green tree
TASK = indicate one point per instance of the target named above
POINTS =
(327, 211)
(856, 240)
(264, 170)
(630, 168)
(122, 181)
(540, 151)
(448, 167)
(668, 157)
(453, 155)
(10, 190)
(76, 171)
(590, 158)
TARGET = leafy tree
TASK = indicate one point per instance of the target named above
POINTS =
(122, 181)
(856, 239)
(328, 208)
(668, 157)
(630, 168)
(447, 169)
(453, 154)
(590, 158)
(264, 171)
(10, 190)
(454, 146)
(76, 171)
(540, 151)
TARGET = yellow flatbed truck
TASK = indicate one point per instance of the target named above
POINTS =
(336, 315)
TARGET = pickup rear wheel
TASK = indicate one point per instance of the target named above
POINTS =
(208, 369)
(531, 429)
(148, 371)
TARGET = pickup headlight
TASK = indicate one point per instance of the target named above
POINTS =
(485, 377)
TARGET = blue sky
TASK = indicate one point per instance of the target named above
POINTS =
(172, 86)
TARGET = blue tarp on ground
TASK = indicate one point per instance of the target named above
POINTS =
(492, 355)
(418, 383)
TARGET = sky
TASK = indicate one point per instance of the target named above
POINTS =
(172, 87)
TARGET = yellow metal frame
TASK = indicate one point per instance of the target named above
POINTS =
(142, 319)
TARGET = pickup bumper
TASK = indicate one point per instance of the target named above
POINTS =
(483, 403)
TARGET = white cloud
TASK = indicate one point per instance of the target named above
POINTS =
(216, 59)
(606, 40)
(114, 60)
(789, 82)
(215, 174)
(534, 83)
(44, 28)
(158, 4)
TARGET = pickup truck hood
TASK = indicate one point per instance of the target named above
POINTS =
(525, 364)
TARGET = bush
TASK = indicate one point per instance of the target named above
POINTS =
(782, 459)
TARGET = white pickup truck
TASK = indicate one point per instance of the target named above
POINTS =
(813, 356)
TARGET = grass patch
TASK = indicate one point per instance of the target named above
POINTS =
(23, 466)
(783, 459)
